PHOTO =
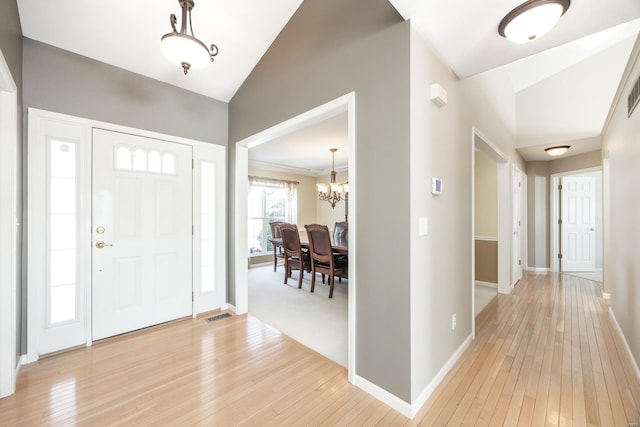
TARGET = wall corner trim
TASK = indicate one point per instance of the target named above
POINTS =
(384, 396)
(424, 395)
(616, 325)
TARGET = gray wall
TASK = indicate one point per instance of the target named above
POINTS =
(538, 214)
(441, 273)
(11, 47)
(622, 232)
(64, 82)
(330, 48)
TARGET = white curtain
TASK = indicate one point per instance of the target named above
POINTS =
(291, 191)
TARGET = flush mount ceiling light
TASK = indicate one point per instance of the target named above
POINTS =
(184, 49)
(557, 150)
(532, 19)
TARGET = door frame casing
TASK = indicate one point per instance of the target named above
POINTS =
(8, 229)
(36, 266)
(345, 103)
(481, 142)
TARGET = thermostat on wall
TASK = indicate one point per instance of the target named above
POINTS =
(436, 186)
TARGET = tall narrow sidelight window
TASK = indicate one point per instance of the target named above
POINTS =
(208, 221)
(62, 241)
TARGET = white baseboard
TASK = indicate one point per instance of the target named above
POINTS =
(231, 308)
(384, 396)
(422, 398)
(406, 409)
(487, 284)
(626, 344)
(538, 270)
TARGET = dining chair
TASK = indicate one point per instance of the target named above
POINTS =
(341, 237)
(278, 252)
(295, 258)
(341, 233)
(323, 260)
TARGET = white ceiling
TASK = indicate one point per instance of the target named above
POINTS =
(306, 151)
(465, 33)
(126, 34)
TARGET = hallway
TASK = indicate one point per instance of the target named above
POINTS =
(547, 353)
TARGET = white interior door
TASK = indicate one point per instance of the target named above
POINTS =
(578, 223)
(141, 232)
(516, 189)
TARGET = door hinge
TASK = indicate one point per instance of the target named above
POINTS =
(193, 296)
(560, 187)
(559, 256)
(193, 163)
(559, 222)
(193, 230)
(519, 262)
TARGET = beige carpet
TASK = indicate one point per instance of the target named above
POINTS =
(310, 318)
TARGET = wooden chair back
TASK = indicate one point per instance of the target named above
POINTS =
(277, 249)
(341, 233)
(319, 243)
(323, 260)
(294, 257)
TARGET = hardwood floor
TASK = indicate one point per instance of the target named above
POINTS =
(545, 355)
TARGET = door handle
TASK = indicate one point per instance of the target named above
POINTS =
(100, 244)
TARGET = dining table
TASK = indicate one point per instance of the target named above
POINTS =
(338, 246)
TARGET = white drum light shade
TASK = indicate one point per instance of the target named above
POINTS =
(532, 19)
(558, 150)
(179, 48)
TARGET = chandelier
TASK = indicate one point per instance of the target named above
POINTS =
(333, 192)
(184, 49)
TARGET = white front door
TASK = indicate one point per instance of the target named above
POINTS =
(578, 224)
(141, 232)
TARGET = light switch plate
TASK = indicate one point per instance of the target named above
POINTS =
(423, 226)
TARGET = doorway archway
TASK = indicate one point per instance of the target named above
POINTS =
(340, 105)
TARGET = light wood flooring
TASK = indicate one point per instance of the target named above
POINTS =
(545, 355)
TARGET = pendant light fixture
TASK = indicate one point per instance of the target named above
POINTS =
(532, 19)
(333, 192)
(557, 150)
(183, 49)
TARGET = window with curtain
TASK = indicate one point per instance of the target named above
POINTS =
(269, 200)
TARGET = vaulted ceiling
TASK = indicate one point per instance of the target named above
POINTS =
(563, 83)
